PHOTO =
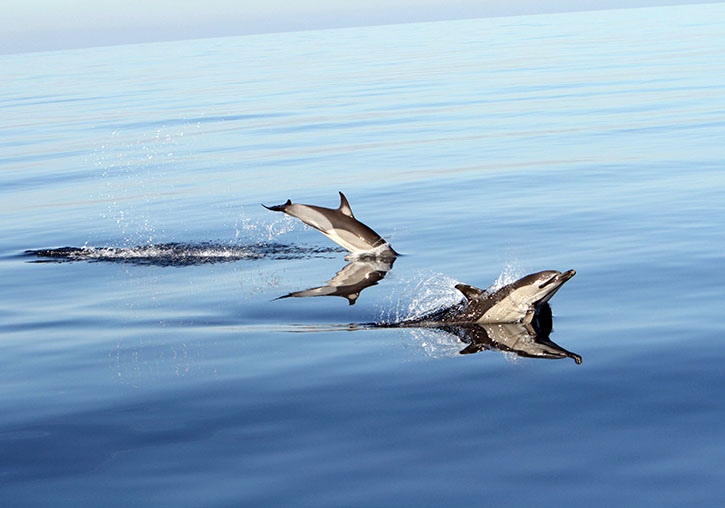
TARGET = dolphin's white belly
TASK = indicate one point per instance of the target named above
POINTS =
(319, 221)
(348, 240)
(511, 309)
(505, 314)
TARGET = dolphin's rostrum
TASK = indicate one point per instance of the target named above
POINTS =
(340, 226)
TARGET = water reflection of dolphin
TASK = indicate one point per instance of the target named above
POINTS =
(513, 303)
(351, 280)
(530, 340)
(340, 226)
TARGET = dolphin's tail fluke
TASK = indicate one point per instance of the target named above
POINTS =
(278, 208)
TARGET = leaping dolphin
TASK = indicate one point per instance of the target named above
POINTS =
(340, 226)
(517, 302)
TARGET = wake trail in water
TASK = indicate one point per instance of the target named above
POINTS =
(181, 254)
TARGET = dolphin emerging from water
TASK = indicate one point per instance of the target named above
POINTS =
(515, 318)
(517, 302)
(340, 226)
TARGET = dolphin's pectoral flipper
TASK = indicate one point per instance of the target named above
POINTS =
(345, 206)
(472, 349)
(470, 292)
(278, 208)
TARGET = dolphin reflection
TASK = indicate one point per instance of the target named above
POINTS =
(351, 280)
(530, 340)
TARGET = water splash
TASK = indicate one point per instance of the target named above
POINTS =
(427, 293)
(434, 343)
(511, 273)
(135, 171)
(263, 231)
(418, 296)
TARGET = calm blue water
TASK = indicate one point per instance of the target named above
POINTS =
(166, 373)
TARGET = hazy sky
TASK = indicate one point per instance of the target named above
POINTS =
(37, 25)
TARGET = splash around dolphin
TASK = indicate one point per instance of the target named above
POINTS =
(339, 225)
(517, 302)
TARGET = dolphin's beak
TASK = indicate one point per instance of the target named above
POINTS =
(567, 275)
(560, 279)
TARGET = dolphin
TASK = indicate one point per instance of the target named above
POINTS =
(339, 225)
(526, 339)
(515, 318)
(517, 302)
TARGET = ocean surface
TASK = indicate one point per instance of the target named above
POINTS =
(147, 359)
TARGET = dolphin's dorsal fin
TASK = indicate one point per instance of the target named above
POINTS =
(345, 206)
(469, 292)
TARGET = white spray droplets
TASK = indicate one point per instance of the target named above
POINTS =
(136, 171)
(259, 230)
(418, 296)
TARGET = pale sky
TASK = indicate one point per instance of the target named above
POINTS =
(39, 25)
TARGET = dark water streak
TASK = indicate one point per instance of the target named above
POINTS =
(179, 254)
